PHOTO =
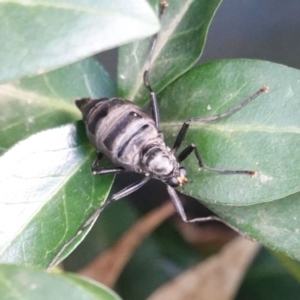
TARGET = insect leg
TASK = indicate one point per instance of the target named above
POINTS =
(95, 164)
(117, 196)
(153, 98)
(189, 149)
(104, 171)
(96, 170)
(181, 135)
(123, 193)
(264, 89)
(180, 210)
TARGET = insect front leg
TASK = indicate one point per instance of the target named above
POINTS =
(180, 210)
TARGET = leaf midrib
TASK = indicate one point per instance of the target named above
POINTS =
(9, 90)
(164, 38)
(232, 127)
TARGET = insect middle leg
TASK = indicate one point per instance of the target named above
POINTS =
(187, 151)
(181, 135)
(97, 170)
(192, 147)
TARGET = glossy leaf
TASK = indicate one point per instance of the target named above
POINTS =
(268, 279)
(46, 180)
(34, 104)
(263, 136)
(19, 282)
(40, 36)
(39, 176)
(47, 193)
(179, 46)
(275, 224)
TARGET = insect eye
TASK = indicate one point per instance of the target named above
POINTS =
(173, 182)
(183, 171)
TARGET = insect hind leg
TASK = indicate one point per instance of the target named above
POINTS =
(153, 97)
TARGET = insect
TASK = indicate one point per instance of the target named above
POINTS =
(131, 139)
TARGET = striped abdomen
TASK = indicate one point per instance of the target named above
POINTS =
(119, 129)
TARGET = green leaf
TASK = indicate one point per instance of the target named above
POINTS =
(275, 224)
(34, 104)
(40, 36)
(39, 176)
(263, 136)
(268, 279)
(179, 46)
(19, 282)
(47, 193)
(292, 266)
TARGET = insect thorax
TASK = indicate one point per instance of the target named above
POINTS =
(159, 161)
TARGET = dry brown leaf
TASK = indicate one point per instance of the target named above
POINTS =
(107, 267)
(217, 278)
(210, 233)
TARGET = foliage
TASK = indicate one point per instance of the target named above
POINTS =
(47, 191)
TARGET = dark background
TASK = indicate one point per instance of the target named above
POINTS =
(259, 29)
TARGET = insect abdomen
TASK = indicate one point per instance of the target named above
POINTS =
(119, 129)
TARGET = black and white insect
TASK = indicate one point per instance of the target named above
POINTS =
(131, 139)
